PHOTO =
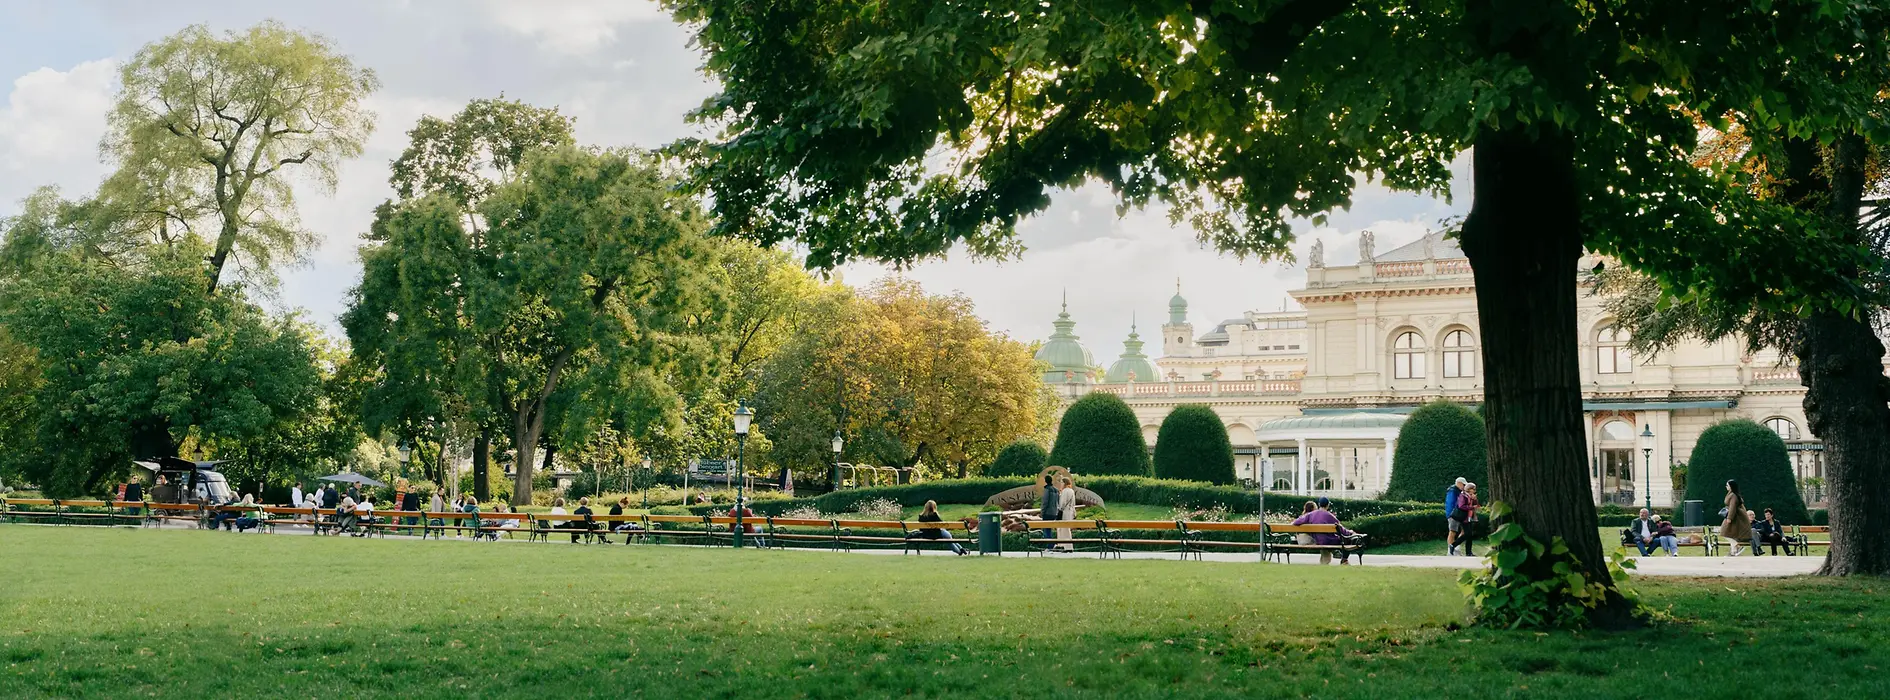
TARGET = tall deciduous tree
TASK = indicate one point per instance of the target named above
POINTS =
(586, 296)
(210, 130)
(898, 130)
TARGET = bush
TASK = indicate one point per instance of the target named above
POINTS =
(1756, 457)
(1183, 495)
(1193, 446)
(1100, 435)
(1399, 528)
(1022, 458)
(1438, 443)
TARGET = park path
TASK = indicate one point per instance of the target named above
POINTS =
(1696, 567)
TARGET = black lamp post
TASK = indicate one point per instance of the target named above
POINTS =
(838, 444)
(743, 419)
(646, 482)
(1647, 465)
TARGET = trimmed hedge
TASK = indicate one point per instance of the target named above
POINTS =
(1022, 458)
(1190, 495)
(1438, 443)
(1100, 435)
(1755, 456)
(1193, 446)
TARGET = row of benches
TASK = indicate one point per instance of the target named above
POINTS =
(1105, 537)
(1193, 538)
(1799, 540)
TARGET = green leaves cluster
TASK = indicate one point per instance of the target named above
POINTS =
(1193, 446)
(1101, 435)
(1533, 585)
(1439, 442)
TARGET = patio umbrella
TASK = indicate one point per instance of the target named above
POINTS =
(352, 478)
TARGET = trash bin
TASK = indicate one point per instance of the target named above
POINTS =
(990, 534)
(1694, 514)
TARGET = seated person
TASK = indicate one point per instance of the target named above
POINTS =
(225, 515)
(748, 524)
(1642, 530)
(251, 518)
(1769, 531)
(1663, 536)
(365, 512)
(579, 527)
(932, 533)
(345, 517)
(1316, 513)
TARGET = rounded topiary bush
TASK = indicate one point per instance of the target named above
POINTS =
(1438, 443)
(1755, 457)
(1100, 435)
(1022, 458)
(1193, 446)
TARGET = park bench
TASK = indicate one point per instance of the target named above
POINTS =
(158, 513)
(1116, 538)
(722, 530)
(546, 524)
(1801, 538)
(88, 512)
(453, 521)
(693, 529)
(1040, 543)
(45, 509)
(1198, 537)
(1708, 544)
(783, 531)
(386, 521)
(916, 538)
(1282, 541)
(845, 534)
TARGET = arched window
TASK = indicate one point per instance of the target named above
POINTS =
(1407, 356)
(1281, 484)
(1786, 429)
(1617, 431)
(1611, 351)
(1460, 355)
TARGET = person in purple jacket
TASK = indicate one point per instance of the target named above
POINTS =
(1319, 513)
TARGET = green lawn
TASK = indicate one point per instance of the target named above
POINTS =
(202, 614)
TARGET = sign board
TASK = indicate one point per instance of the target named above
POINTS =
(710, 466)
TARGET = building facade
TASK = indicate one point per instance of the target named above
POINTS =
(1313, 397)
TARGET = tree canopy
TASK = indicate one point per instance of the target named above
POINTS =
(1193, 446)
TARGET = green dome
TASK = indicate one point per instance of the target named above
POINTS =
(1069, 361)
(1134, 366)
(1177, 307)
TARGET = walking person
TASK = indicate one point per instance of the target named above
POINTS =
(930, 515)
(1467, 505)
(1452, 526)
(1066, 505)
(1051, 508)
(1738, 524)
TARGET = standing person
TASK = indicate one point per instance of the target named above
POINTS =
(1066, 505)
(295, 495)
(1452, 525)
(1467, 514)
(331, 498)
(354, 492)
(1051, 508)
(1644, 531)
(1738, 525)
(930, 515)
(1769, 531)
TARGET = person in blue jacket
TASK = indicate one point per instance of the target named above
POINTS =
(1452, 525)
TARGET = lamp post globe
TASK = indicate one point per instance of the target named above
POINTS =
(839, 443)
(1647, 465)
(744, 418)
(646, 482)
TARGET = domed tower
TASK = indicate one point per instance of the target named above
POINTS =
(1133, 366)
(1069, 361)
(1178, 333)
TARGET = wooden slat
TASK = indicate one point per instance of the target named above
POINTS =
(1305, 529)
(1139, 524)
(802, 522)
(697, 519)
(84, 504)
(875, 524)
(946, 525)
(1205, 526)
(1061, 524)
(31, 501)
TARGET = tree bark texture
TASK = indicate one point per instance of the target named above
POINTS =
(1523, 239)
(1840, 361)
(482, 461)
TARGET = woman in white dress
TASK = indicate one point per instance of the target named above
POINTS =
(1066, 499)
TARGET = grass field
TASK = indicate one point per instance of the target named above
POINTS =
(110, 613)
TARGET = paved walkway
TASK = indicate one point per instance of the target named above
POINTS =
(1716, 567)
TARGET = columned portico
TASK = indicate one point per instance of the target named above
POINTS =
(1340, 455)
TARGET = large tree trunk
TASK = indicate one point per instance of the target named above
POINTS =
(482, 461)
(525, 432)
(1840, 360)
(1523, 238)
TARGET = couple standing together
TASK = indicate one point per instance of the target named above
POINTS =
(1059, 503)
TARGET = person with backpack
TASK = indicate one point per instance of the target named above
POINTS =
(1452, 525)
(1466, 517)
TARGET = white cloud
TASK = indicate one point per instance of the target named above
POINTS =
(50, 129)
(571, 26)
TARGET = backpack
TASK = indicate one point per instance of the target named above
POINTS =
(1450, 501)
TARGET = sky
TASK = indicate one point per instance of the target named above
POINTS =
(626, 72)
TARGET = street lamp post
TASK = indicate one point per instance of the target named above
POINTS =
(838, 444)
(646, 483)
(743, 418)
(1647, 465)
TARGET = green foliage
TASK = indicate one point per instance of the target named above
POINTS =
(1439, 442)
(1100, 435)
(1756, 457)
(1023, 458)
(208, 130)
(1530, 585)
(1193, 446)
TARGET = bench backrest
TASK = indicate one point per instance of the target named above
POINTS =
(1813, 529)
(1141, 524)
(868, 524)
(1303, 529)
(1210, 526)
(800, 522)
(1061, 524)
(941, 525)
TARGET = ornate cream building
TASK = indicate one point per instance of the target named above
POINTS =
(1313, 398)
